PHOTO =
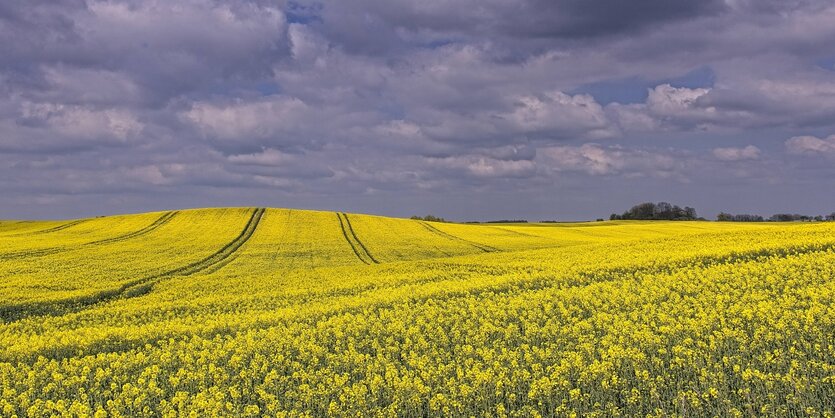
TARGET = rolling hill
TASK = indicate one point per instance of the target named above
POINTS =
(279, 312)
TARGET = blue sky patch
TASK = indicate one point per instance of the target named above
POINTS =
(826, 63)
(303, 14)
(635, 89)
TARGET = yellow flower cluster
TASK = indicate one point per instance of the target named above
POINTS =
(285, 313)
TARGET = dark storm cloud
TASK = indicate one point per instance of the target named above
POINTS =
(376, 25)
(581, 19)
(408, 106)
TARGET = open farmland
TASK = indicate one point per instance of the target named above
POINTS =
(277, 312)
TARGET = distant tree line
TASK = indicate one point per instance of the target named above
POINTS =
(742, 217)
(779, 217)
(661, 211)
(500, 221)
(428, 218)
(508, 221)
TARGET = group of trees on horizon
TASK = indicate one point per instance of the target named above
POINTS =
(667, 211)
(779, 217)
(661, 211)
(428, 218)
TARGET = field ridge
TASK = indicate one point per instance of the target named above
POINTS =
(162, 220)
(482, 247)
(57, 228)
(133, 288)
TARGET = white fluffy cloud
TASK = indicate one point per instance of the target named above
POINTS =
(749, 152)
(273, 117)
(82, 122)
(666, 100)
(808, 144)
(668, 108)
(148, 174)
(595, 159)
(559, 115)
(267, 157)
(480, 166)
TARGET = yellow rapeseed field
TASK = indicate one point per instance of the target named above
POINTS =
(285, 313)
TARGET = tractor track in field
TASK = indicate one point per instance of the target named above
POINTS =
(512, 232)
(354, 234)
(358, 248)
(162, 220)
(137, 287)
(348, 240)
(55, 228)
(606, 275)
(482, 247)
(31, 253)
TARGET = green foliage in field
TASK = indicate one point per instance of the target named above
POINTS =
(252, 312)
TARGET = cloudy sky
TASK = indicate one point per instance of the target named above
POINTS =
(468, 109)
